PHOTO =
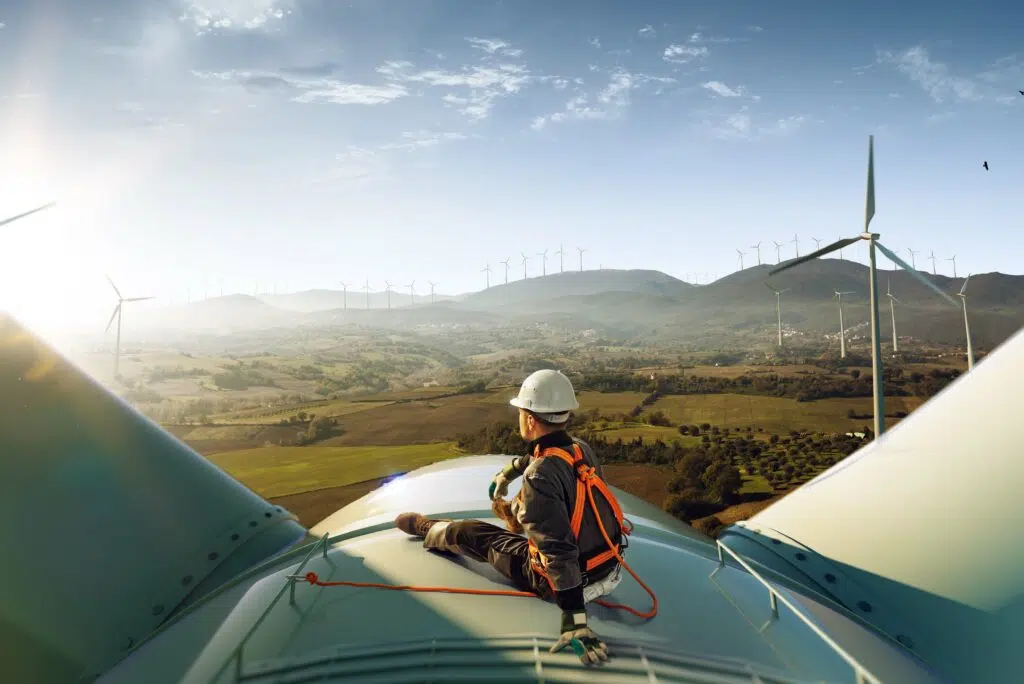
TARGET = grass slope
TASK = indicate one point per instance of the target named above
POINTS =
(281, 471)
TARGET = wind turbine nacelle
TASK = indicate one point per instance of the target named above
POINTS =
(921, 533)
(109, 524)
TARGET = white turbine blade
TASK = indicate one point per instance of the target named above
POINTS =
(906, 267)
(11, 219)
(112, 317)
(814, 255)
(113, 286)
(137, 299)
(770, 287)
(784, 291)
(963, 290)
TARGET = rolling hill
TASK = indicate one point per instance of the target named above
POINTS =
(645, 304)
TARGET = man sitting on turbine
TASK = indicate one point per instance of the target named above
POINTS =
(565, 554)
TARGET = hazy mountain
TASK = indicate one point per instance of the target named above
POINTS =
(539, 291)
(646, 304)
(329, 300)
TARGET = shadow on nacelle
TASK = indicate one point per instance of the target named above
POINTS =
(985, 648)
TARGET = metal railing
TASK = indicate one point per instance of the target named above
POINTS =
(861, 674)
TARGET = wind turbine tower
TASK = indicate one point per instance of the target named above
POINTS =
(366, 289)
(561, 257)
(796, 244)
(932, 257)
(344, 294)
(967, 326)
(432, 286)
(892, 310)
(486, 270)
(740, 254)
(412, 293)
(581, 251)
(778, 307)
(757, 248)
(778, 252)
(387, 291)
(912, 252)
(953, 259)
(506, 261)
(817, 243)
(544, 262)
(117, 314)
(873, 245)
(525, 259)
(842, 329)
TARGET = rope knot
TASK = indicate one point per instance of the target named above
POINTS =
(312, 578)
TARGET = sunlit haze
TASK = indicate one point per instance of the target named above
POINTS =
(195, 145)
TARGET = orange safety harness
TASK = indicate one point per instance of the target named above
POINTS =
(586, 482)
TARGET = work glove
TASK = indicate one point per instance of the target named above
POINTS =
(585, 644)
(501, 481)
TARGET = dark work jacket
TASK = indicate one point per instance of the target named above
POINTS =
(548, 499)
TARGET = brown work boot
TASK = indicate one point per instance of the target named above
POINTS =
(414, 524)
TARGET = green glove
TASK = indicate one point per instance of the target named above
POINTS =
(499, 485)
(575, 633)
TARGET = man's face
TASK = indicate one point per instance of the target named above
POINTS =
(524, 425)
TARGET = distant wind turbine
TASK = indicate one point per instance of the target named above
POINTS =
(387, 290)
(842, 329)
(873, 245)
(817, 242)
(344, 294)
(366, 289)
(11, 219)
(953, 259)
(892, 310)
(796, 244)
(506, 268)
(581, 250)
(932, 257)
(757, 247)
(778, 252)
(544, 262)
(561, 255)
(412, 293)
(840, 250)
(487, 271)
(117, 314)
(525, 259)
(740, 254)
(967, 326)
(913, 263)
(432, 286)
(778, 307)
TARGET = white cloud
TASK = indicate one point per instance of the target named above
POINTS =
(611, 102)
(646, 32)
(741, 125)
(376, 163)
(207, 15)
(755, 29)
(486, 84)
(2, 25)
(492, 46)
(683, 54)
(309, 90)
(720, 88)
(934, 77)
(595, 42)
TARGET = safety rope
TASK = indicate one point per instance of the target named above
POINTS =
(313, 579)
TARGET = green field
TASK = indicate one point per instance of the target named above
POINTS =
(609, 402)
(649, 433)
(776, 414)
(279, 471)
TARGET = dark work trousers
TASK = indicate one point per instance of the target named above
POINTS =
(506, 552)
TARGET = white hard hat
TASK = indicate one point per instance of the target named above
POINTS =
(547, 393)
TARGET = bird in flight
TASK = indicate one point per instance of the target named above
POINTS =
(1021, 92)
(985, 164)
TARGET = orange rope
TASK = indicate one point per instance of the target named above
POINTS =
(313, 579)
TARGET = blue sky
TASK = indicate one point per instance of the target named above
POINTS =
(304, 142)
